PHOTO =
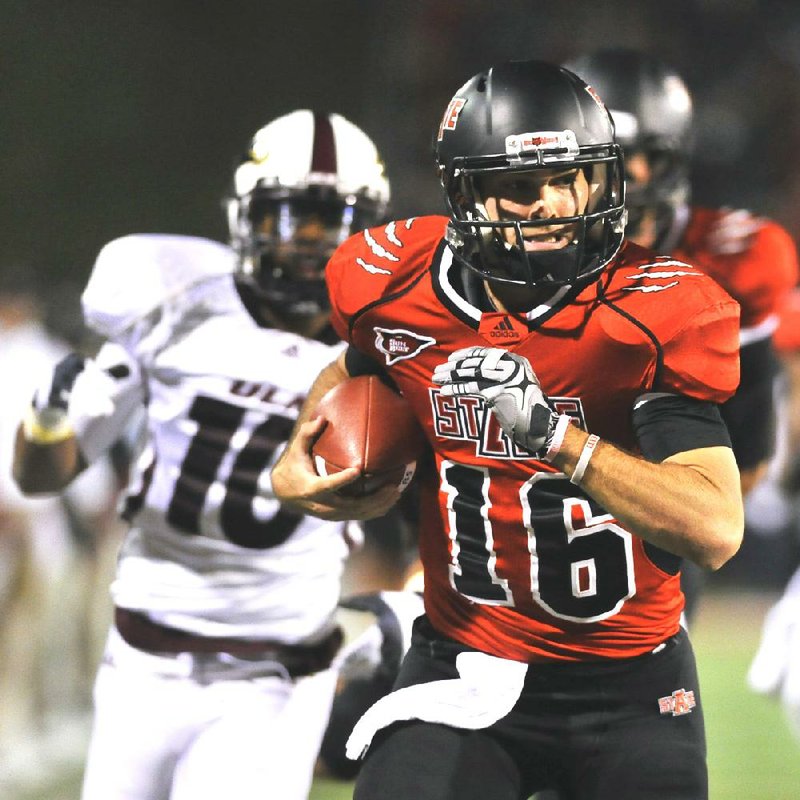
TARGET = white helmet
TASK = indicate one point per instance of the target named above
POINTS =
(308, 181)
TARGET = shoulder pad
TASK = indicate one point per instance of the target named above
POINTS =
(378, 262)
(694, 322)
(660, 291)
(787, 335)
(753, 258)
(136, 274)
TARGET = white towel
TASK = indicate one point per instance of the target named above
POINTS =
(485, 691)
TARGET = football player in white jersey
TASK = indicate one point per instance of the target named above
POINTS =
(217, 678)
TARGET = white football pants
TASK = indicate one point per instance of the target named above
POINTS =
(202, 727)
(775, 668)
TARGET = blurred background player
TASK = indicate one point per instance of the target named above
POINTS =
(752, 258)
(379, 626)
(776, 666)
(48, 549)
(216, 680)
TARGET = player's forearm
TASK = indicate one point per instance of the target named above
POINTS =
(681, 508)
(330, 376)
(45, 468)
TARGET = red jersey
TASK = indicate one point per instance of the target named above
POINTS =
(519, 562)
(753, 259)
(787, 334)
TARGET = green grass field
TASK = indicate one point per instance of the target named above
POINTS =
(752, 755)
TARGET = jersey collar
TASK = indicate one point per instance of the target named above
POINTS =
(445, 274)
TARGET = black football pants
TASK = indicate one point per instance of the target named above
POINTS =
(610, 730)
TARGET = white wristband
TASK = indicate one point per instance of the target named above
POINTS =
(583, 459)
(559, 431)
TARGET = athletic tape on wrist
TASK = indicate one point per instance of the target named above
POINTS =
(557, 439)
(38, 433)
(583, 459)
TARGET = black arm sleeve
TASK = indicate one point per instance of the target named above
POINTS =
(357, 364)
(750, 413)
(672, 423)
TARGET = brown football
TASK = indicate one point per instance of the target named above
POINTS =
(371, 427)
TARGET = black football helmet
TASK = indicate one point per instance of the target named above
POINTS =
(652, 111)
(306, 183)
(522, 116)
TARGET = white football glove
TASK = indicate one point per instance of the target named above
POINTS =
(510, 388)
(51, 399)
(81, 398)
(55, 389)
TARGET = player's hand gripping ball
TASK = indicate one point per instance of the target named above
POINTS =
(371, 427)
(508, 385)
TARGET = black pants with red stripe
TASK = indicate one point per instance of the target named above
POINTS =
(629, 729)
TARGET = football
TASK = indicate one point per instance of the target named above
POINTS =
(371, 427)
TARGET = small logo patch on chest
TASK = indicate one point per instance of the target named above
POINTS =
(397, 344)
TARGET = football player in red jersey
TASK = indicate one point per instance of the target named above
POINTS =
(568, 381)
(754, 259)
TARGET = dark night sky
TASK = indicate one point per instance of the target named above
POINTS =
(123, 117)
